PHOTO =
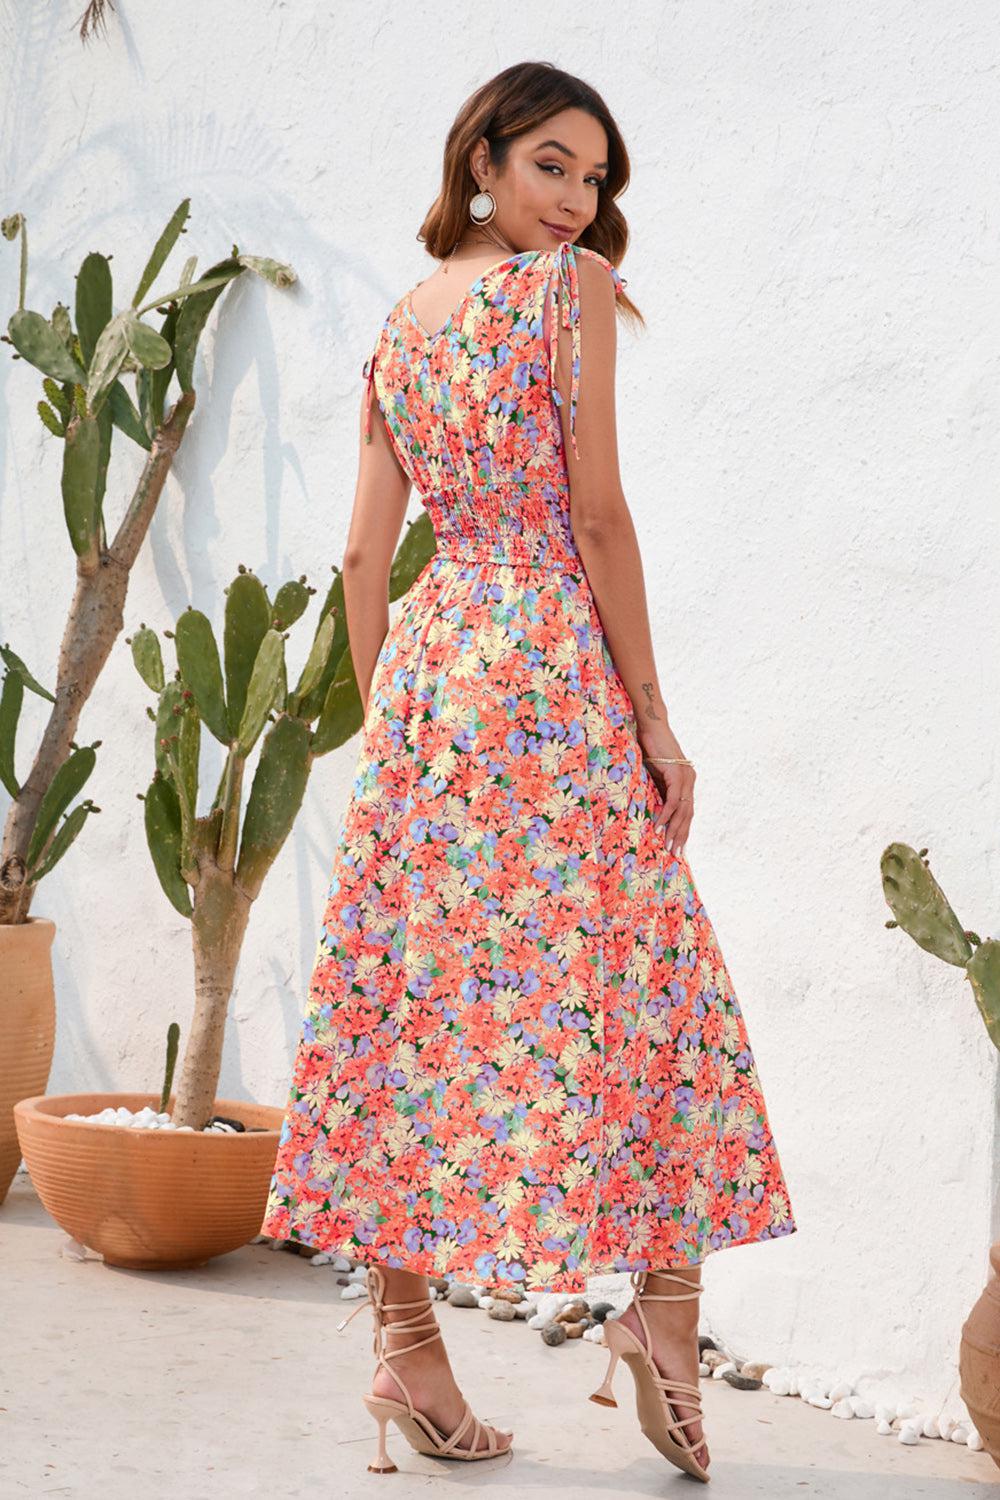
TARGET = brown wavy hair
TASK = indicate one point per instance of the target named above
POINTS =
(515, 101)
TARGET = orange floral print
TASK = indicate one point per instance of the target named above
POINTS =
(522, 1060)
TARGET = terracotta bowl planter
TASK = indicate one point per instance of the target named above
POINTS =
(979, 1361)
(150, 1200)
(27, 1027)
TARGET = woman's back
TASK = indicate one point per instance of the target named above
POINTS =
(472, 409)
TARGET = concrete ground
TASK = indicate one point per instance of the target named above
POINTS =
(232, 1382)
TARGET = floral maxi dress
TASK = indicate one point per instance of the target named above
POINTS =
(521, 1061)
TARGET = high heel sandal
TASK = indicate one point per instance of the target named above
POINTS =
(420, 1430)
(657, 1418)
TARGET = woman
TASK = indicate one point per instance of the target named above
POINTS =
(522, 1061)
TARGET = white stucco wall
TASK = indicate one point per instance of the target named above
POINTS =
(808, 434)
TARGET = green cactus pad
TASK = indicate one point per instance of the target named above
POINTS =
(126, 418)
(11, 698)
(168, 723)
(108, 357)
(983, 970)
(162, 249)
(193, 315)
(14, 663)
(248, 618)
(343, 715)
(317, 660)
(66, 834)
(146, 345)
(290, 604)
(275, 798)
(261, 690)
(412, 555)
(198, 659)
(94, 306)
(51, 420)
(36, 340)
(920, 907)
(148, 658)
(65, 785)
(163, 835)
(188, 753)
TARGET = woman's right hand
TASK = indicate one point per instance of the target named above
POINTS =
(674, 783)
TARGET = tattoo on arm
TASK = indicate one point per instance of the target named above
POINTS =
(651, 713)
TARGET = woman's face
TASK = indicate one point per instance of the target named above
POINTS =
(547, 191)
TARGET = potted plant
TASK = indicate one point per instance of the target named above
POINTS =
(84, 358)
(920, 907)
(176, 1197)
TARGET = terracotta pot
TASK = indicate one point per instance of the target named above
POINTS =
(979, 1361)
(151, 1200)
(27, 1027)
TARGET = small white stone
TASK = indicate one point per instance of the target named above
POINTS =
(840, 1390)
(351, 1291)
(780, 1386)
(883, 1427)
(841, 1408)
(945, 1425)
(340, 1263)
(720, 1370)
(823, 1402)
(907, 1409)
(358, 1274)
(549, 1303)
(322, 1259)
(884, 1413)
(929, 1427)
(594, 1335)
(538, 1321)
(960, 1433)
(975, 1440)
(862, 1408)
(486, 1302)
(185, 1127)
(702, 1369)
(908, 1434)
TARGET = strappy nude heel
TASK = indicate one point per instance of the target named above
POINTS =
(418, 1429)
(657, 1418)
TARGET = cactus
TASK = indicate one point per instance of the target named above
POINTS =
(920, 908)
(212, 864)
(85, 402)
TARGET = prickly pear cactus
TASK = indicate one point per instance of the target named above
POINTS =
(920, 907)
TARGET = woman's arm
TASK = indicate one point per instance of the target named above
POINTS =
(604, 533)
(380, 499)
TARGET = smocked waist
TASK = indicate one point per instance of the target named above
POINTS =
(504, 526)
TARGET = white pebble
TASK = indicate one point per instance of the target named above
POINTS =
(549, 1303)
(883, 1427)
(841, 1408)
(823, 1402)
(884, 1413)
(840, 1390)
(975, 1440)
(907, 1408)
(720, 1370)
(351, 1291)
(960, 1433)
(340, 1263)
(908, 1434)
(702, 1369)
(594, 1335)
(862, 1408)
(538, 1321)
(486, 1302)
(358, 1274)
(781, 1386)
(944, 1426)
(322, 1259)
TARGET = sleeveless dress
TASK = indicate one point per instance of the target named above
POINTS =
(522, 1060)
